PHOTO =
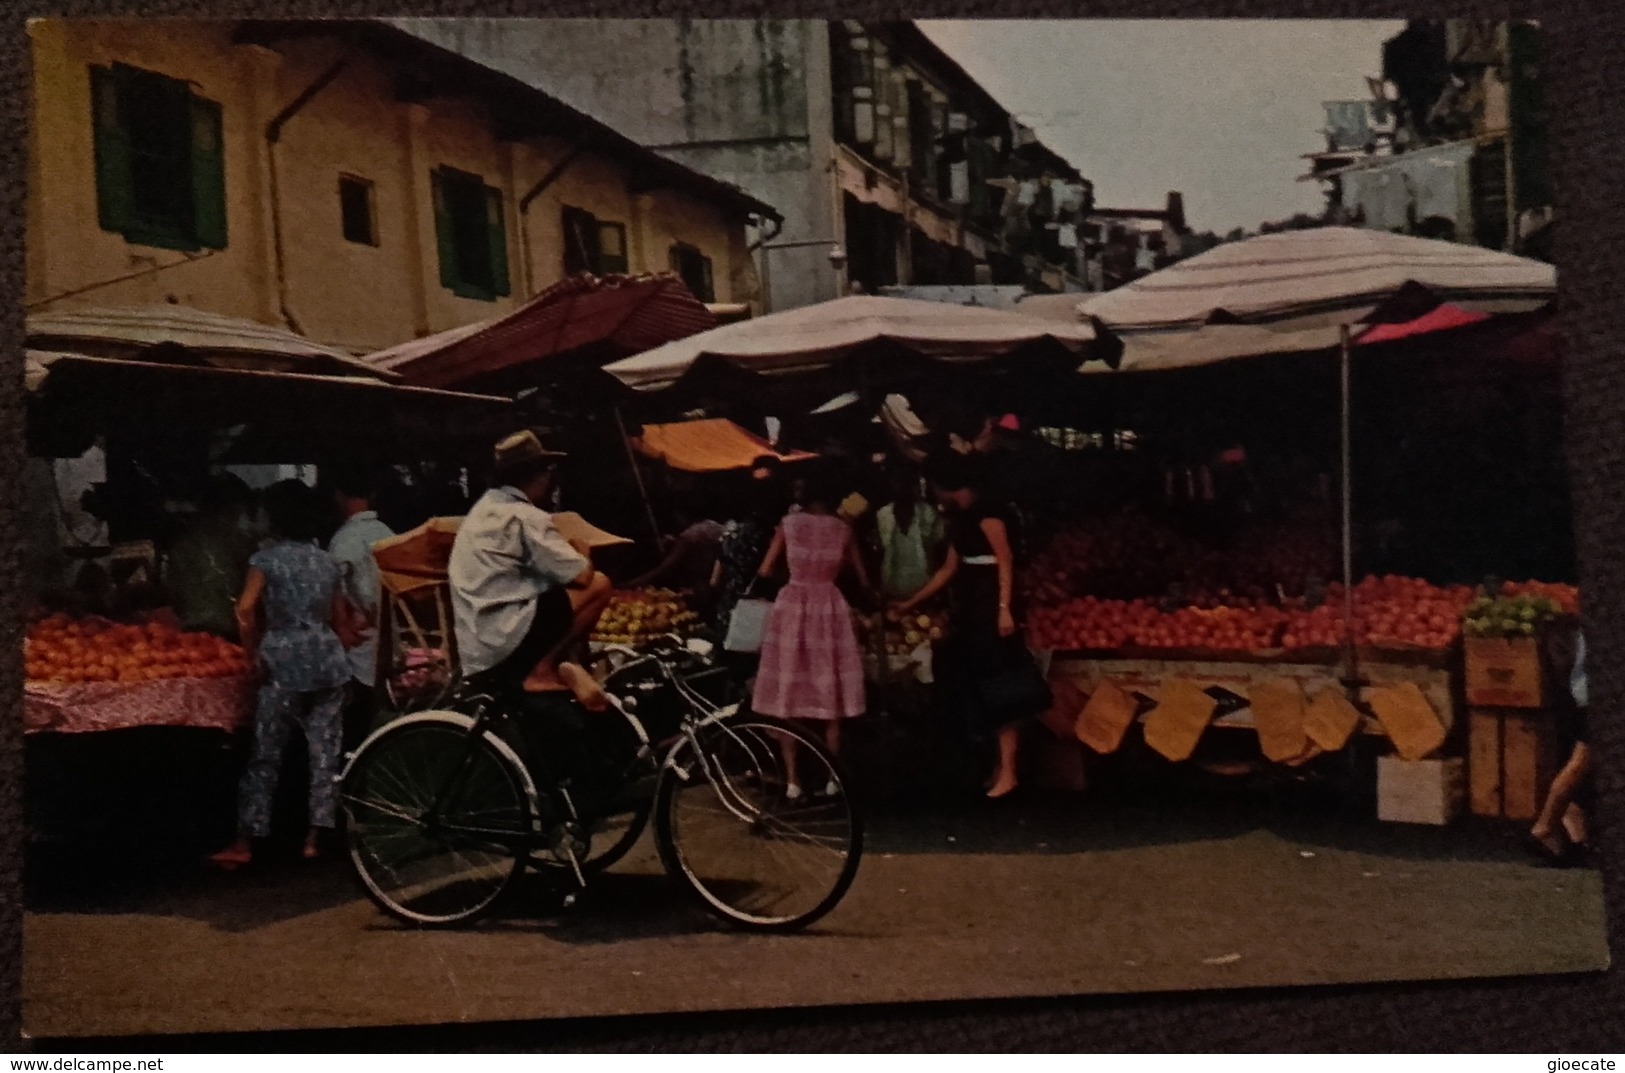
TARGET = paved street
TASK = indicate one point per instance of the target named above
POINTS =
(1050, 896)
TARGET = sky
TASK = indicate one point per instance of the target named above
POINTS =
(1221, 111)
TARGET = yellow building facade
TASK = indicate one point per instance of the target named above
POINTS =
(346, 180)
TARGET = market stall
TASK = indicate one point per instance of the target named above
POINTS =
(1156, 630)
(122, 703)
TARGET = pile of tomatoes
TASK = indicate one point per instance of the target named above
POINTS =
(1389, 613)
(64, 650)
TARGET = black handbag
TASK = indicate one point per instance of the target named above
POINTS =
(1013, 687)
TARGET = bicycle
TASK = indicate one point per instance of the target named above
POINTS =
(446, 809)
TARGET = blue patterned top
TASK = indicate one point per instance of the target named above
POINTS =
(299, 649)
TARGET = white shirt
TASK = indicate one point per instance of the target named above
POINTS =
(507, 553)
(352, 547)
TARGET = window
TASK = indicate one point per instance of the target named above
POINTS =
(473, 240)
(592, 245)
(160, 164)
(695, 269)
(356, 212)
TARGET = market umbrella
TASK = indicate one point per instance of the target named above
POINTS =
(816, 337)
(610, 317)
(1291, 293)
(1303, 292)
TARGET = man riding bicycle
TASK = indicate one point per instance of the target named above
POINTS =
(523, 597)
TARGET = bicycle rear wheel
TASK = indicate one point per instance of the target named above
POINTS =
(725, 827)
(436, 818)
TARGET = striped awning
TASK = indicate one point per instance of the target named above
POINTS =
(1293, 292)
(618, 315)
(1320, 272)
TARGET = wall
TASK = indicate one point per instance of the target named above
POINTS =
(68, 249)
(744, 101)
(358, 296)
(660, 81)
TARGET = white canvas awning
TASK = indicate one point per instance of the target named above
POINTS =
(816, 336)
(1320, 271)
(227, 342)
(1290, 292)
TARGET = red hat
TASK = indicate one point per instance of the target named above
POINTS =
(1010, 423)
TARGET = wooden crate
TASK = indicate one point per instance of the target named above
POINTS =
(1503, 672)
(1420, 791)
(1512, 758)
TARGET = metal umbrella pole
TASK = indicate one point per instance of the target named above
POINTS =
(637, 475)
(1350, 650)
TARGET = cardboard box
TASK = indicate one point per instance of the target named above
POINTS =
(1503, 672)
(1420, 791)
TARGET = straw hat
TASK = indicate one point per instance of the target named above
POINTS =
(522, 448)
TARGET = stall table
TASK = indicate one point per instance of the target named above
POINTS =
(224, 704)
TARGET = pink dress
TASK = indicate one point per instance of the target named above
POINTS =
(811, 667)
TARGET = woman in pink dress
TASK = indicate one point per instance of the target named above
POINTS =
(811, 667)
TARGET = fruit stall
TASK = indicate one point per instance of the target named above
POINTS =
(133, 724)
(1246, 638)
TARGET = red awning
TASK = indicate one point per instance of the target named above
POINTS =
(623, 315)
(1442, 319)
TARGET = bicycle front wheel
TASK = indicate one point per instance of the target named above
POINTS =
(727, 828)
(436, 817)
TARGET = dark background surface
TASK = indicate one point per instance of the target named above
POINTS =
(1583, 65)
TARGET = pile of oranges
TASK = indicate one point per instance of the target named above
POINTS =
(60, 649)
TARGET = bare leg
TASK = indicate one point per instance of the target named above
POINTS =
(588, 606)
(1561, 796)
(1004, 779)
(792, 776)
(832, 736)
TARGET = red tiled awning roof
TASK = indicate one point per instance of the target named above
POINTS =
(621, 315)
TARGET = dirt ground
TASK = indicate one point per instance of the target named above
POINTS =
(1052, 895)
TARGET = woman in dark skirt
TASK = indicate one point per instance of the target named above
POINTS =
(986, 639)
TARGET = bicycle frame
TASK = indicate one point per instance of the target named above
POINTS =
(713, 716)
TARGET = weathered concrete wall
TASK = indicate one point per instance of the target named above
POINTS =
(744, 101)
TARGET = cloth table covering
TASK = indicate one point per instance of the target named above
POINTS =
(204, 703)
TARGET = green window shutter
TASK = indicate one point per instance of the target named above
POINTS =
(499, 242)
(208, 175)
(114, 197)
(445, 235)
